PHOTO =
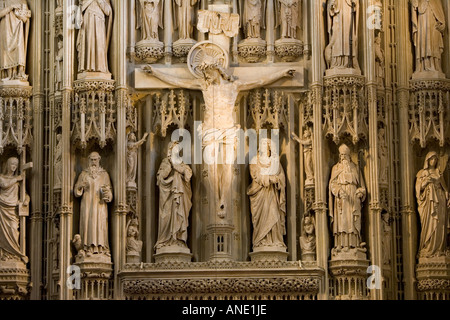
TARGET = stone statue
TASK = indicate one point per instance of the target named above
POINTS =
(383, 156)
(428, 27)
(347, 192)
(220, 91)
(150, 19)
(14, 30)
(175, 200)
(379, 61)
(343, 24)
(134, 245)
(253, 17)
(95, 19)
(434, 202)
(308, 237)
(267, 199)
(288, 14)
(58, 162)
(307, 143)
(132, 153)
(94, 186)
(184, 20)
(9, 215)
(387, 238)
(59, 59)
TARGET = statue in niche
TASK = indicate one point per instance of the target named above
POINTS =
(59, 66)
(58, 162)
(434, 203)
(150, 19)
(253, 17)
(132, 154)
(383, 156)
(95, 19)
(343, 24)
(379, 61)
(10, 203)
(347, 192)
(428, 27)
(308, 237)
(94, 186)
(134, 245)
(387, 237)
(184, 20)
(175, 199)
(307, 143)
(288, 16)
(220, 91)
(14, 27)
(268, 198)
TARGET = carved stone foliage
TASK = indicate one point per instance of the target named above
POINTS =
(171, 108)
(94, 114)
(268, 108)
(429, 111)
(16, 117)
(345, 112)
(216, 286)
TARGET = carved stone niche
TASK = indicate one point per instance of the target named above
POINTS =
(252, 50)
(429, 110)
(433, 278)
(94, 114)
(289, 49)
(345, 112)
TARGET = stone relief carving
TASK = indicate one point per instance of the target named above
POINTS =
(11, 203)
(433, 204)
(343, 26)
(347, 192)
(132, 157)
(15, 27)
(428, 27)
(253, 17)
(307, 143)
(268, 199)
(175, 202)
(134, 245)
(184, 19)
(289, 17)
(94, 186)
(57, 163)
(387, 237)
(308, 238)
(59, 59)
(379, 62)
(95, 18)
(383, 156)
(149, 19)
(220, 91)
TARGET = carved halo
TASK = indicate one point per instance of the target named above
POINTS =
(206, 52)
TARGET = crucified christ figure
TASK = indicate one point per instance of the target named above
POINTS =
(219, 130)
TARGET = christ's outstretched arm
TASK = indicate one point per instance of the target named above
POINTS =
(244, 86)
(177, 82)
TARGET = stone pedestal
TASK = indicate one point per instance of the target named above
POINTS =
(14, 280)
(182, 47)
(348, 270)
(173, 254)
(149, 51)
(96, 275)
(269, 254)
(252, 50)
(289, 49)
(433, 278)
